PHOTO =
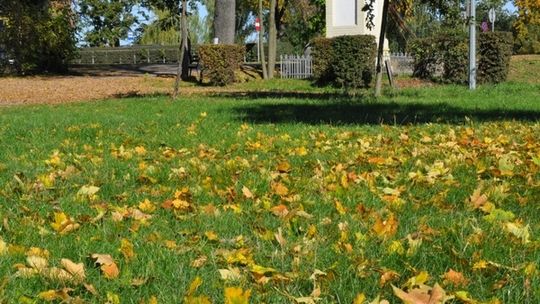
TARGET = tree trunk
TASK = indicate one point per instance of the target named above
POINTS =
(224, 21)
(272, 40)
(384, 23)
(182, 63)
(261, 42)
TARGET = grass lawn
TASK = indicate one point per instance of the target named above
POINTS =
(293, 198)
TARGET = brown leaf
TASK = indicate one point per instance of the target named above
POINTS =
(477, 199)
(422, 295)
(280, 189)
(199, 262)
(456, 278)
(284, 167)
(387, 227)
(387, 276)
(247, 193)
(107, 265)
(280, 210)
(76, 270)
(110, 271)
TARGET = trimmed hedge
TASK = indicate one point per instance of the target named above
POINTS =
(445, 58)
(345, 61)
(219, 62)
(354, 60)
(495, 51)
(322, 60)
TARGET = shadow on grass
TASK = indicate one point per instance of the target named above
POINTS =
(137, 94)
(375, 113)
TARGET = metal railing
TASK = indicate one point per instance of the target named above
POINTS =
(128, 55)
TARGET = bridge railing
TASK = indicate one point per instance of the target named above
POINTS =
(127, 55)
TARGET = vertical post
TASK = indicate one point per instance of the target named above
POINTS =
(472, 46)
(378, 86)
(281, 65)
(259, 46)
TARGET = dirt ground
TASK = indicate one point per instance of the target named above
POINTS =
(61, 89)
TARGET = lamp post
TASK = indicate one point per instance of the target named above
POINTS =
(472, 45)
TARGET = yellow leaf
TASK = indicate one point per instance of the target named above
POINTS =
(235, 295)
(153, 300)
(126, 248)
(339, 207)
(140, 150)
(88, 190)
(3, 247)
(53, 295)
(49, 295)
(418, 280)
(197, 300)
(482, 264)
(147, 206)
(211, 235)
(231, 274)
(520, 232)
(63, 224)
(195, 284)
(113, 298)
(359, 299)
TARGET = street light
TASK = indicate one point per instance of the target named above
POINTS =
(472, 45)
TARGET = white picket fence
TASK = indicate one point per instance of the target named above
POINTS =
(296, 66)
(301, 66)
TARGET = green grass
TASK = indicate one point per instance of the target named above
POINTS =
(417, 156)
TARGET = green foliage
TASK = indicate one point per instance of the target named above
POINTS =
(346, 61)
(354, 60)
(322, 54)
(444, 58)
(495, 50)
(529, 43)
(219, 62)
(108, 21)
(39, 38)
(441, 58)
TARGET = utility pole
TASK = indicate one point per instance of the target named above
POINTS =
(472, 45)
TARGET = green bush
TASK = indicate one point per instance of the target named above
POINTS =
(354, 60)
(346, 61)
(322, 60)
(495, 51)
(219, 62)
(426, 58)
(443, 58)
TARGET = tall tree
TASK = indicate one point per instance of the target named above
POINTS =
(225, 20)
(39, 35)
(272, 40)
(528, 19)
(107, 21)
(184, 47)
